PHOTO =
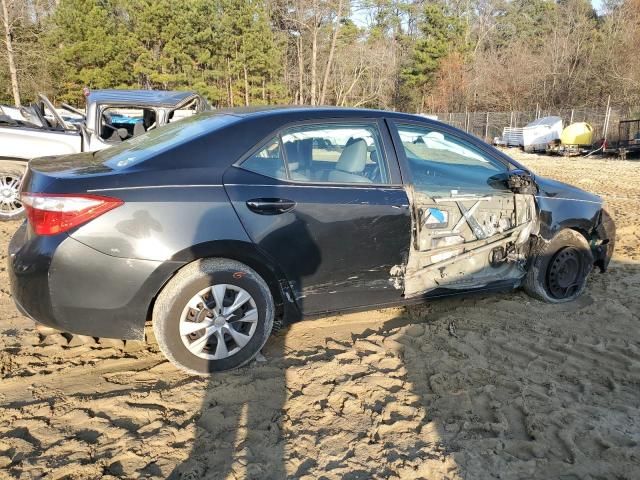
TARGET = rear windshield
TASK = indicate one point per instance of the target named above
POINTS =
(138, 149)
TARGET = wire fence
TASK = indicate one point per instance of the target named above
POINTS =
(489, 125)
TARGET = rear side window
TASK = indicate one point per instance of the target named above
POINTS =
(324, 153)
(268, 161)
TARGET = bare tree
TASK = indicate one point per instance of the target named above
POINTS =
(7, 21)
(332, 49)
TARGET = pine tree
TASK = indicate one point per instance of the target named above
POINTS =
(440, 34)
(90, 47)
(248, 53)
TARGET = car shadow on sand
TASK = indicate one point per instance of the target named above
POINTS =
(476, 387)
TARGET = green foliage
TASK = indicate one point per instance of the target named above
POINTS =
(225, 49)
(30, 63)
(526, 21)
(90, 46)
(441, 34)
(411, 55)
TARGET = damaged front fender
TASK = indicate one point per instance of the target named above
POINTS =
(603, 241)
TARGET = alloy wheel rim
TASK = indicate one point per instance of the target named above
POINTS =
(10, 194)
(218, 321)
(564, 275)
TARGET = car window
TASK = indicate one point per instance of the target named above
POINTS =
(440, 163)
(324, 153)
(335, 153)
(121, 123)
(184, 111)
(267, 161)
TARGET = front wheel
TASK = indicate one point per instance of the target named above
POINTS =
(559, 268)
(11, 207)
(214, 315)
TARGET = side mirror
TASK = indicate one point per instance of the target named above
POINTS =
(520, 181)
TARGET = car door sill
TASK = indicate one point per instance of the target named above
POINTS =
(501, 285)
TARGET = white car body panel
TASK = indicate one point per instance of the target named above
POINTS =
(24, 142)
(30, 143)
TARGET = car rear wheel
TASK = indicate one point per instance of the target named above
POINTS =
(10, 178)
(559, 268)
(214, 315)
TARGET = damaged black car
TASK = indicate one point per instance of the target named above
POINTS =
(219, 228)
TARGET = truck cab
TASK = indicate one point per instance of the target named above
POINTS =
(110, 117)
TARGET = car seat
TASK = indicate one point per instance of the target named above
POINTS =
(351, 164)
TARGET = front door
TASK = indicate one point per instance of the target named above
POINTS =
(321, 200)
(469, 229)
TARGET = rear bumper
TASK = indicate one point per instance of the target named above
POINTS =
(64, 284)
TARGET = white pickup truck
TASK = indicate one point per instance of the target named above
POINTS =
(110, 117)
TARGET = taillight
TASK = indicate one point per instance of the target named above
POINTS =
(53, 213)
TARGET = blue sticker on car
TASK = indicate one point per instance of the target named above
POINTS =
(434, 217)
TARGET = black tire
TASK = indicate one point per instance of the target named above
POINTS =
(180, 290)
(559, 268)
(10, 170)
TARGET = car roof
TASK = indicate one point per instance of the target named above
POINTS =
(319, 112)
(159, 98)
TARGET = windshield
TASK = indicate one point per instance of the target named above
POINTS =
(138, 149)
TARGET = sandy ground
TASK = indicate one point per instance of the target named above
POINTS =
(500, 386)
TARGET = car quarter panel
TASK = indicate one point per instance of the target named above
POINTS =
(60, 282)
(160, 223)
(80, 304)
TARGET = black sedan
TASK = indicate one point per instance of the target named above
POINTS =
(226, 224)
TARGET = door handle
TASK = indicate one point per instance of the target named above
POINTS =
(270, 206)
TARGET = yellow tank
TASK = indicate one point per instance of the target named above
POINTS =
(580, 133)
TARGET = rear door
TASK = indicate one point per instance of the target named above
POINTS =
(469, 229)
(325, 201)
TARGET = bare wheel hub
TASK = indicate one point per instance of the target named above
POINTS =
(564, 275)
(218, 321)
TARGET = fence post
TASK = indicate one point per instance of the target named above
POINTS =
(486, 127)
(607, 117)
(571, 119)
(511, 120)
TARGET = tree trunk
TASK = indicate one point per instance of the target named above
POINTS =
(314, 63)
(10, 58)
(300, 71)
(229, 83)
(332, 49)
(246, 86)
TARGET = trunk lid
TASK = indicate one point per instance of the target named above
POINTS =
(61, 174)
